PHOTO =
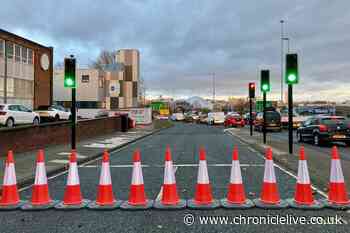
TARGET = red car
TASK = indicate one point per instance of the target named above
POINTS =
(234, 120)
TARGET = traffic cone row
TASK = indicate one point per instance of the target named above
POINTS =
(169, 197)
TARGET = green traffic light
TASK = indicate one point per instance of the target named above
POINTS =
(69, 82)
(265, 87)
(292, 77)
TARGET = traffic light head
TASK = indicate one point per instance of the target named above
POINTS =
(251, 90)
(292, 75)
(69, 73)
(265, 81)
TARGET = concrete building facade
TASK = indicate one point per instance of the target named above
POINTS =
(129, 85)
(26, 72)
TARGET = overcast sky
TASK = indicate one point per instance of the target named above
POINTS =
(183, 42)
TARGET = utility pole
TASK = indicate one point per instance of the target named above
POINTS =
(5, 75)
(282, 57)
(213, 91)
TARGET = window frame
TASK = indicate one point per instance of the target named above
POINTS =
(84, 80)
(18, 57)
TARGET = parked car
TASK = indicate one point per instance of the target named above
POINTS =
(272, 121)
(216, 118)
(297, 119)
(15, 114)
(53, 113)
(177, 116)
(234, 120)
(203, 118)
(322, 129)
(247, 116)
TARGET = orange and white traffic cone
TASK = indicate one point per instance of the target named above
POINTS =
(337, 194)
(105, 197)
(303, 198)
(72, 198)
(10, 197)
(137, 196)
(236, 195)
(40, 192)
(169, 197)
(269, 197)
(203, 198)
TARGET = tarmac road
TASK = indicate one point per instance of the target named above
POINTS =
(185, 140)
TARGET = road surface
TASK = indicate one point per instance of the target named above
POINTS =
(185, 140)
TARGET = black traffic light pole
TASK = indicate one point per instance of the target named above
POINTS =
(264, 117)
(290, 118)
(74, 115)
(251, 115)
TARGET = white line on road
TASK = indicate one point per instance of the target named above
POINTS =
(175, 165)
(281, 168)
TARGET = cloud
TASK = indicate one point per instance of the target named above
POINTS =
(183, 42)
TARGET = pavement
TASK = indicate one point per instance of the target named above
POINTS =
(184, 140)
(319, 157)
(57, 156)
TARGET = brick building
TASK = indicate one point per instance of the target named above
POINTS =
(26, 74)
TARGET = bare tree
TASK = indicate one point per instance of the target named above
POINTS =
(104, 58)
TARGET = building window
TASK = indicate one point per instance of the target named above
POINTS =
(17, 53)
(30, 56)
(24, 54)
(85, 78)
(9, 47)
(2, 48)
(101, 82)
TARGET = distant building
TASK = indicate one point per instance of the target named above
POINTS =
(113, 87)
(91, 88)
(26, 74)
(129, 86)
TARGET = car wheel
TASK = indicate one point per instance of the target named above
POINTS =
(57, 118)
(300, 137)
(36, 121)
(10, 123)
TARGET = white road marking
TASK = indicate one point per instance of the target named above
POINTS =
(89, 162)
(282, 169)
(60, 161)
(98, 145)
(175, 165)
(79, 156)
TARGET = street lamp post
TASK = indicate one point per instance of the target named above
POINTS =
(282, 54)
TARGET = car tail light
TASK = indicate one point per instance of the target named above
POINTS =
(2, 113)
(323, 128)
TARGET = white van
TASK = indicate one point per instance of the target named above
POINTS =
(216, 118)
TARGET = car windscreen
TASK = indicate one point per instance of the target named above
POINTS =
(335, 121)
(275, 116)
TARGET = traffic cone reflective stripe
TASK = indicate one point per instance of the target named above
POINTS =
(10, 194)
(269, 192)
(269, 197)
(40, 192)
(169, 197)
(303, 197)
(203, 197)
(236, 193)
(203, 193)
(105, 194)
(337, 190)
(72, 195)
(137, 194)
(303, 192)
